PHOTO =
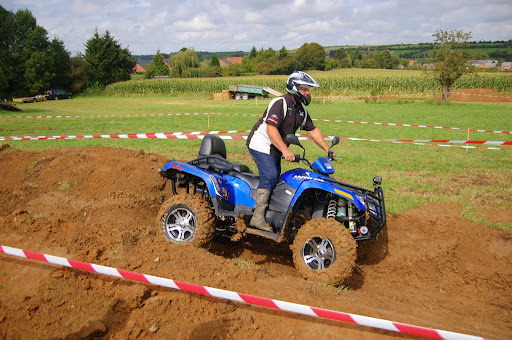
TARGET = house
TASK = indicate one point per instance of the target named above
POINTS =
(138, 68)
(143, 63)
(230, 61)
(506, 66)
(484, 63)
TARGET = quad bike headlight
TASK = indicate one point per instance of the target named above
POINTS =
(360, 199)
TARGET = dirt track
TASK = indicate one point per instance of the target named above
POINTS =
(99, 205)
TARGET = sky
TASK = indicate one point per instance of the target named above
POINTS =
(145, 26)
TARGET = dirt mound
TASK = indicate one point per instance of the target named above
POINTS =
(433, 269)
(478, 95)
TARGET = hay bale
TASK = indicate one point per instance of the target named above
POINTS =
(224, 95)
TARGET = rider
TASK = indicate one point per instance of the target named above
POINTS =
(267, 143)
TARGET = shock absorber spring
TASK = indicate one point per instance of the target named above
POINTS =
(332, 208)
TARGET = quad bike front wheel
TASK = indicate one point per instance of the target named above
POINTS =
(324, 251)
(187, 219)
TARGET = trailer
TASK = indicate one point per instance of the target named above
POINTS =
(251, 91)
(38, 98)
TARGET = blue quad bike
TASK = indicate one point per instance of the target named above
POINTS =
(321, 218)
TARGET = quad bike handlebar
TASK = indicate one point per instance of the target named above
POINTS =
(293, 139)
(298, 158)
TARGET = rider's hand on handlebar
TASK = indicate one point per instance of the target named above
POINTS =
(331, 155)
(288, 155)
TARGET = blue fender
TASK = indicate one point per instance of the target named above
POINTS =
(303, 180)
(211, 179)
(231, 189)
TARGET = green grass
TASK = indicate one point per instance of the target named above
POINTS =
(64, 186)
(241, 263)
(413, 175)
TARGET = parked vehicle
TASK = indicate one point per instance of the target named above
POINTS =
(57, 94)
(38, 98)
(251, 91)
(322, 218)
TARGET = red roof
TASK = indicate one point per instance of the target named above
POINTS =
(229, 61)
(139, 68)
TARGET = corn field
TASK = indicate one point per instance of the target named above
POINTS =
(329, 85)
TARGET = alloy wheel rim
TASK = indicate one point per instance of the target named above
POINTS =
(180, 225)
(318, 253)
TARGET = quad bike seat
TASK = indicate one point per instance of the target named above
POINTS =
(212, 156)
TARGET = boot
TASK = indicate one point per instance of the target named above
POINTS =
(258, 218)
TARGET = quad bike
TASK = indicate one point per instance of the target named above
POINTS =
(322, 218)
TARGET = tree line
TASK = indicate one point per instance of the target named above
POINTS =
(31, 63)
(310, 56)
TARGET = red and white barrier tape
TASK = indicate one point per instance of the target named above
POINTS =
(240, 297)
(114, 116)
(364, 96)
(422, 141)
(200, 135)
(158, 135)
(428, 144)
(390, 124)
(410, 95)
(249, 115)
(453, 141)
(410, 125)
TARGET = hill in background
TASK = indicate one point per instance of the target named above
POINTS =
(496, 50)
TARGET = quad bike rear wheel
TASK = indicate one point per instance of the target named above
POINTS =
(324, 251)
(187, 219)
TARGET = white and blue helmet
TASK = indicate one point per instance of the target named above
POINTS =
(299, 79)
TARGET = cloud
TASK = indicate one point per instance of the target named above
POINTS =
(199, 23)
(228, 25)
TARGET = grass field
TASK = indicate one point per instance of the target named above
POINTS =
(413, 175)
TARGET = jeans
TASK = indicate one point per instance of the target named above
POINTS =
(269, 169)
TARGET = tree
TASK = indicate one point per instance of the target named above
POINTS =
(311, 56)
(283, 53)
(264, 68)
(38, 72)
(388, 62)
(253, 52)
(30, 62)
(285, 66)
(215, 61)
(264, 56)
(185, 63)
(78, 74)
(106, 62)
(355, 55)
(367, 63)
(60, 64)
(7, 28)
(157, 67)
(24, 53)
(348, 62)
(339, 54)
(343, 58)
(449, 59)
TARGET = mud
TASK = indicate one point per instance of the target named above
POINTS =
(479, 95)
(432, 269)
